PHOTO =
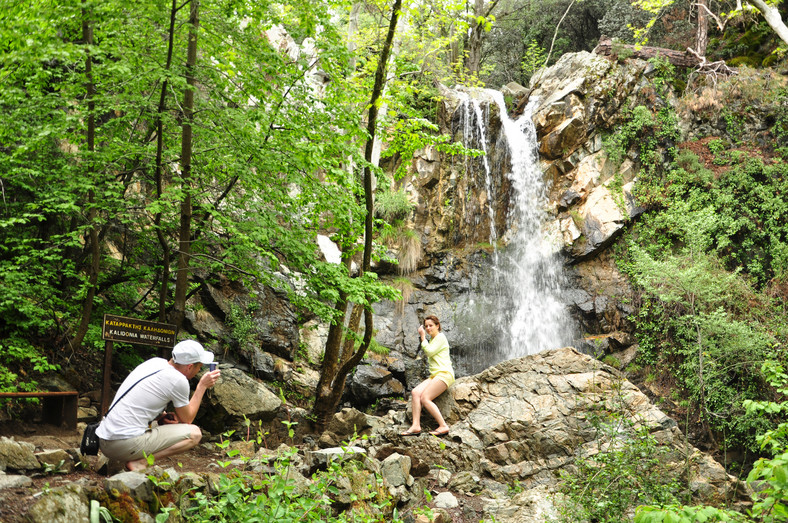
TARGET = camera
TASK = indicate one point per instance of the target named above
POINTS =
(212, 366)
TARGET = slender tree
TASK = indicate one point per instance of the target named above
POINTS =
(93, 248)
(338, 363)
(159, 168)
(479, 27)
(185, 234)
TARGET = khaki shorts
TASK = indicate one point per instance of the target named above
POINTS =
(152, 441)
(444, 376)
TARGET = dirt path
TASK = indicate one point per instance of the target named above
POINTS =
(15, 502)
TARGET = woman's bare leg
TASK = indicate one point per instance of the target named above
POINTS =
(434, 388)
(416, 394)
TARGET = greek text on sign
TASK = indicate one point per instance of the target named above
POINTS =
(131, 330)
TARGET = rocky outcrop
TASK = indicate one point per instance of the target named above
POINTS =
(247, 321)
(236, 395)
(514, 428)
(371, 382)
(527, 419)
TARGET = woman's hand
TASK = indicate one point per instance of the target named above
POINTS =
(421, 332)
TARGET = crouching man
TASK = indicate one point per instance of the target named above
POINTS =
(125, 433)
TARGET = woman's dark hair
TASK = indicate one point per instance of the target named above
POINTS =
(434, 320)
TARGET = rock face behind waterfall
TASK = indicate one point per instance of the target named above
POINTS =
(589, 201)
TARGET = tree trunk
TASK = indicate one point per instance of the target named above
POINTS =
(158, 175)
(473, 47)
(94, 252)
(702, 35)
(337, 366)
(772, 16)
(473, 44)
(679, 58)
(184, 239)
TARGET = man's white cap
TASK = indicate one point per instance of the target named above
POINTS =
(190, 351)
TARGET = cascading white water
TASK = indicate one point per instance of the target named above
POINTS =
(518, 310)
(475, 136)
(530, 267)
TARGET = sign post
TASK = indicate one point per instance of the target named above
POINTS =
(131, 330)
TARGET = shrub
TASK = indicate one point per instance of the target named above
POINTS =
(393, 206)
(628, 470)
(279, 496)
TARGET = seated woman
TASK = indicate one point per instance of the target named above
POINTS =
(441, 378)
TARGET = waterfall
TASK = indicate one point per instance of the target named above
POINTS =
(519, 309)
(475, 136)
(530, 266)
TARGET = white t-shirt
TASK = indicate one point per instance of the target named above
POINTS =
(132, 414)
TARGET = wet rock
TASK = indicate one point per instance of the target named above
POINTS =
(372, 382)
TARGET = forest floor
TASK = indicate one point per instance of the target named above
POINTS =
(15, 502)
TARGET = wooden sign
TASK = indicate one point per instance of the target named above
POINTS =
(132, 330)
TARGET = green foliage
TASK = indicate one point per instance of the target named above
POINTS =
(770, 503)
(264, 177)
(627, 468)
(647, 131)
(393, 205)
(680, 514)
(377, 348)
(780, 128)
(405, 136)
(664, 73)
(242, 325)
(768, 477)
(704, 259)
(533, 59)
(776, 438)
(746, 222)
(19, 357)
(277, 496)
(710, 351)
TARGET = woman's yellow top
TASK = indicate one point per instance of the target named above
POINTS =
(437, 351)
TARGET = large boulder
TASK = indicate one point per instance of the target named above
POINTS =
(525, 420)
(237, 395)
(370, 383)
(17, 455)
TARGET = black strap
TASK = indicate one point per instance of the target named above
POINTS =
(129, 390)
